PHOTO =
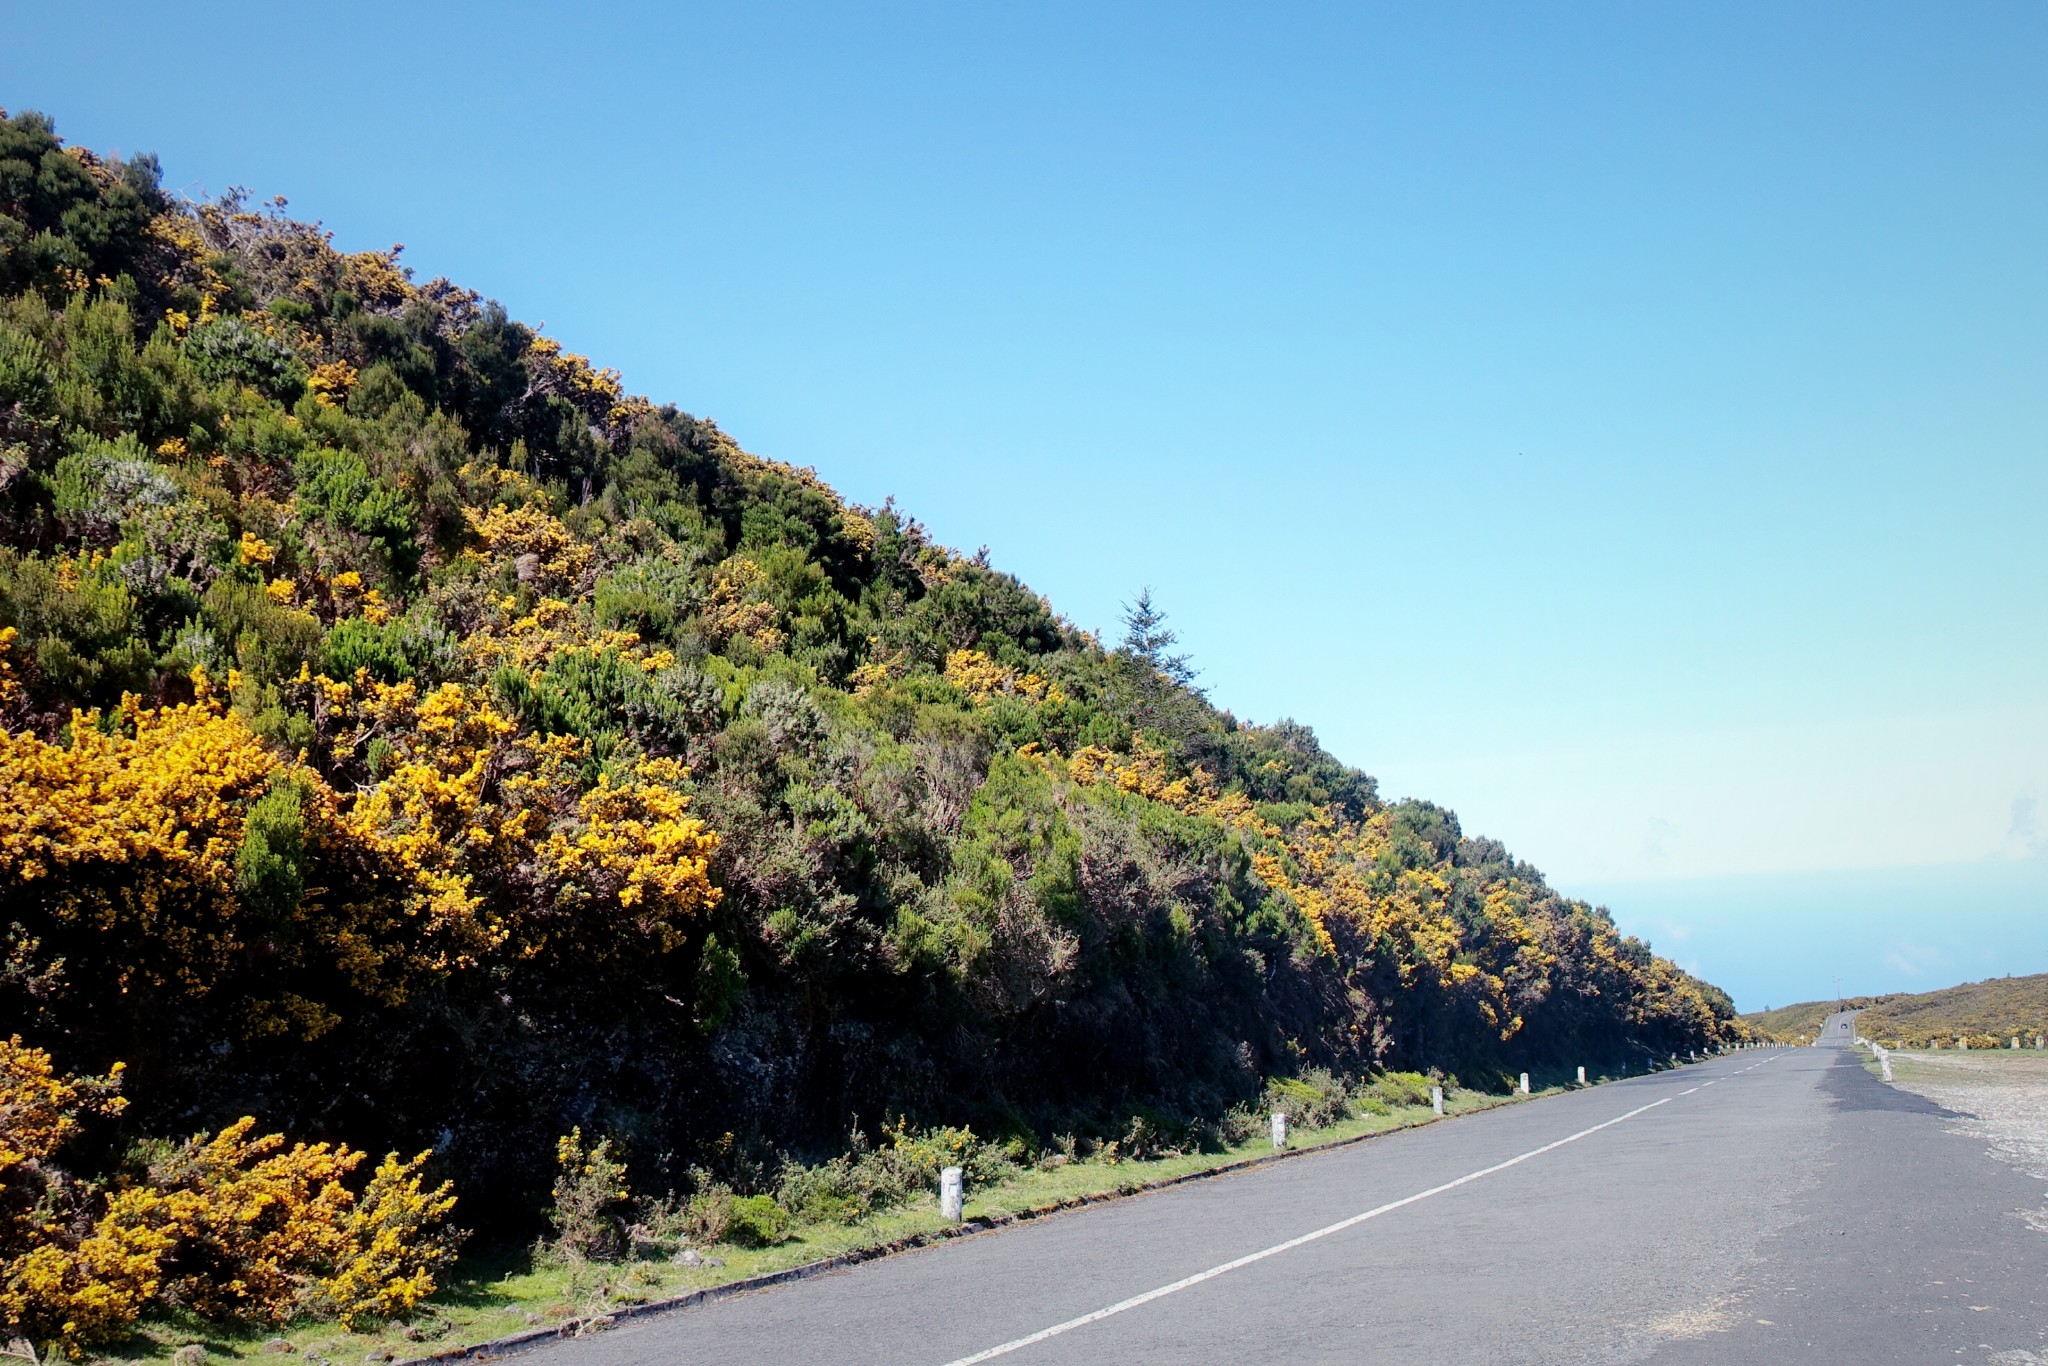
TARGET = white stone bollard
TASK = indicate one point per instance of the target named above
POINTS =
(952, 1194)
(1436, 1099)
(2015, 1041)
(2038, 1041)
(1525, 1084)
(1279, 1130)
(1886, 1063)
(1582, 1076)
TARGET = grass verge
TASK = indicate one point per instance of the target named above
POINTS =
(493, 1294)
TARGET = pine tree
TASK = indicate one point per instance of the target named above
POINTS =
(1147, 638)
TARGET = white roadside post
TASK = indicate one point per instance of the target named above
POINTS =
(1436, 1099)
(1884, 1060)
(952, 1194)
(1582, 1076)
(1525, 1083)
(1279, 1130)
(2015, 1041)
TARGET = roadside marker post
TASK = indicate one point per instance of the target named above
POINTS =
(1436, 1099)
(1279, 1130)
(1525, 1084)
(952, 1194)
(1582, 1076)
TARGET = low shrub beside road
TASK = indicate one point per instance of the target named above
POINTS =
(610, 1250)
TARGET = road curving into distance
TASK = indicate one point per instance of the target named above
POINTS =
(1766, 1207)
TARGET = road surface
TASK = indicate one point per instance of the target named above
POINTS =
(1766, 1207)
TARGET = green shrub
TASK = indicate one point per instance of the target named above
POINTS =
(757, 1221)
(706, 1217)
(651, 596)
(920, 1155)
(828, 1193)
(1238, 1124)
(102, 484)
(867, 1178)
(1147, 1137)
(1402, 1088)
(590, 1197)
(359, 643)
(24, 372)
(337, 488)
(270, 865)
(1312, 1100)
(270, 640)
(229, 351)
(79, 627)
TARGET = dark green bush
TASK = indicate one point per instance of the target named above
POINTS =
(229, 351)
(337, 488)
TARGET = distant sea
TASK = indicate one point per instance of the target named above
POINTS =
(1776, 938)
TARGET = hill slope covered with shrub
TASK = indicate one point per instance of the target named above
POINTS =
(1986, 1014)
(413, 738)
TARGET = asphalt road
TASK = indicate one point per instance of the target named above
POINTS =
(1767, 1207)
(1840, 1027)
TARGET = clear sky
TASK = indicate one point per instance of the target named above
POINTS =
(1625, 424)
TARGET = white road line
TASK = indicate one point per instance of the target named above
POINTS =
(1016, 1344)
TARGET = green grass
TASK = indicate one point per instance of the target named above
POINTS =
(493, 1293)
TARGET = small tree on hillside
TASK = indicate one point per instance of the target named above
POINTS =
(1148, 639)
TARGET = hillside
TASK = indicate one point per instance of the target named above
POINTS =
(1789, 1024)
(414, 739)
(1986, 1014)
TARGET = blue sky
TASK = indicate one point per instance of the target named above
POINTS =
(1623, 424)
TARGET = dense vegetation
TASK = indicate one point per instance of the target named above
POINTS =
(1987, 1014)
(414, 740)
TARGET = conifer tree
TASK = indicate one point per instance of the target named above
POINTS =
(1147, 638)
